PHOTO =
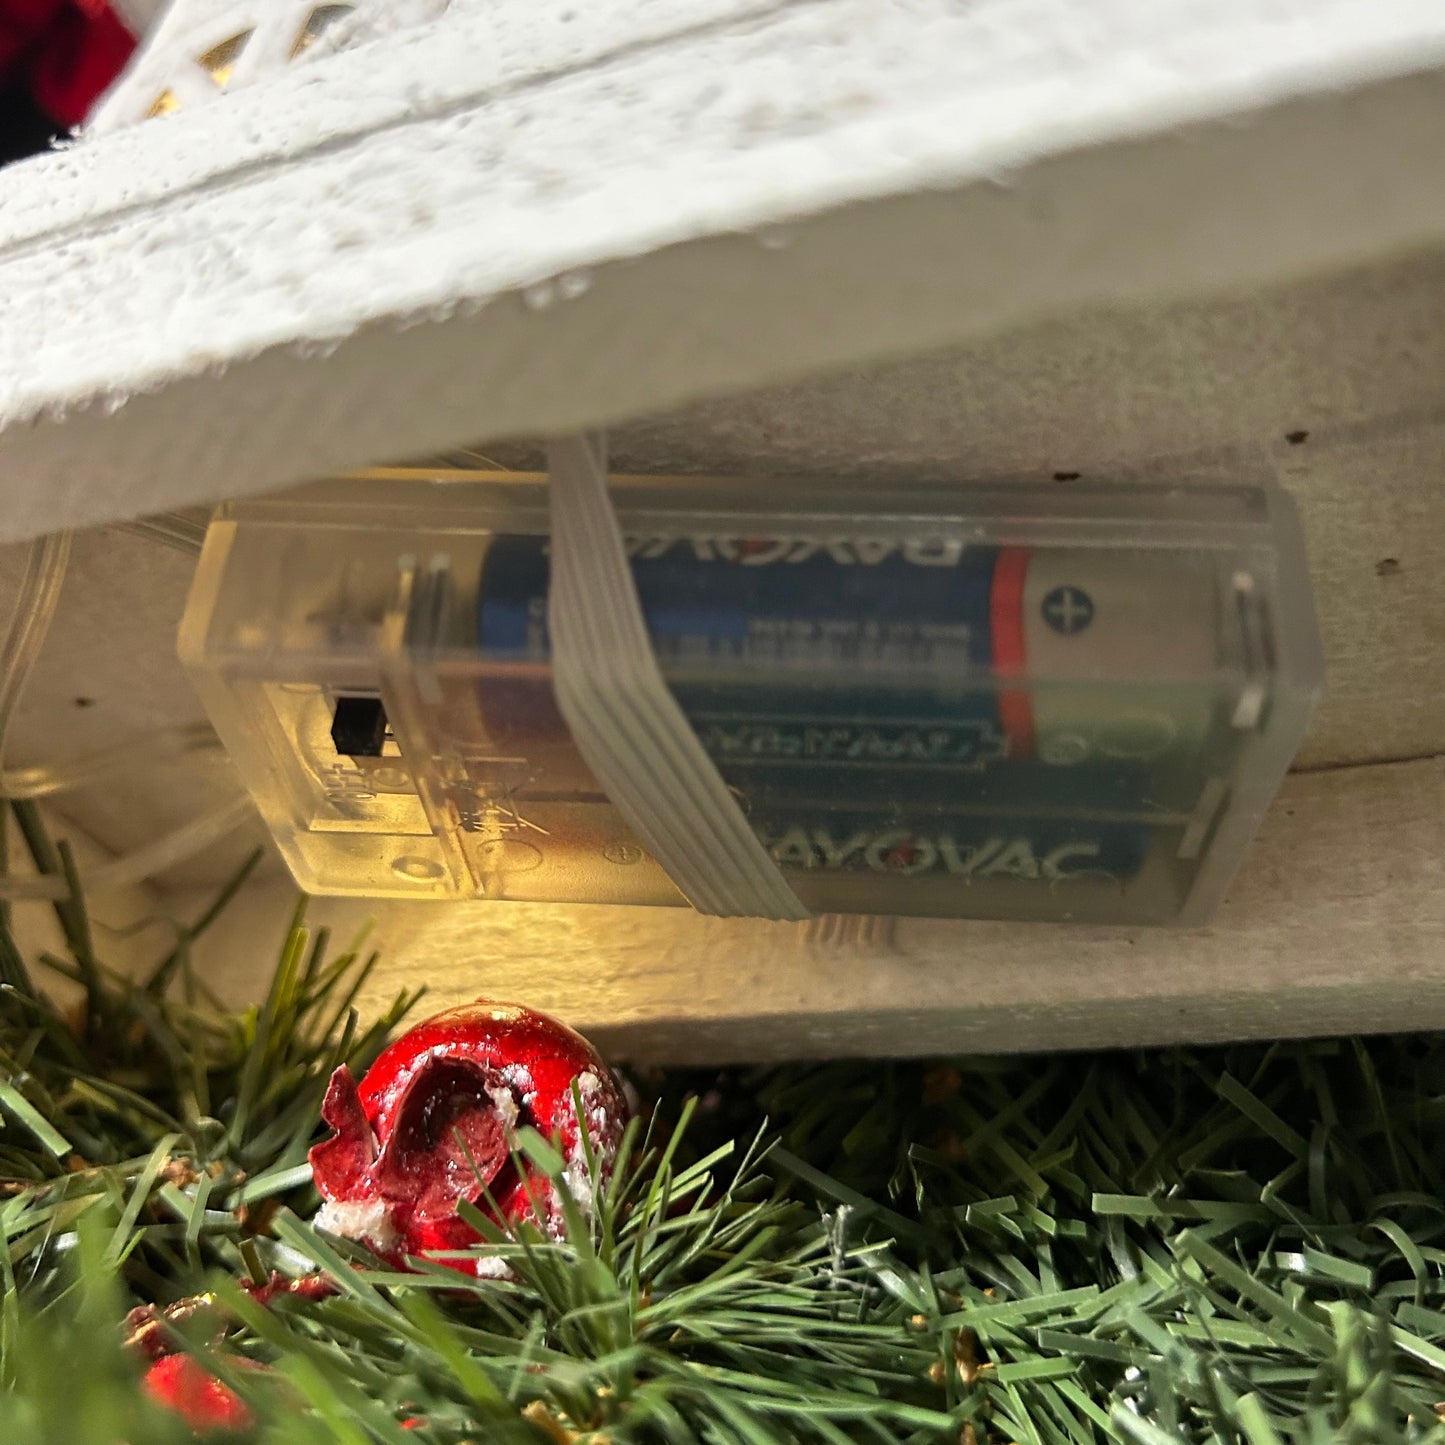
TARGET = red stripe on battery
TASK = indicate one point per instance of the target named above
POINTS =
(1006, 624)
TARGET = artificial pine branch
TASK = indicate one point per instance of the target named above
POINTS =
(1243, 1245)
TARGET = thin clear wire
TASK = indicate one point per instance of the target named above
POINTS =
(35, 605)
(181, 531)
(45, 780)
(142, 863)
(45, 565)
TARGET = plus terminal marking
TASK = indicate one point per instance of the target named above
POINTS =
(1068, 609)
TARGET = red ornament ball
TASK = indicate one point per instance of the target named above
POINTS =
(180, 1384)
(434, 1122)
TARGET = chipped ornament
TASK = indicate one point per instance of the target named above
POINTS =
(434, 1122)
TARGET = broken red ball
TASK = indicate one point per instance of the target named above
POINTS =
(434, 1123)
(181, 1384)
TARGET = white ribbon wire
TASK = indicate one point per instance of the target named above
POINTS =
(622, 715)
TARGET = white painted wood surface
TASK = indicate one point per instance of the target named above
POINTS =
(530, 215)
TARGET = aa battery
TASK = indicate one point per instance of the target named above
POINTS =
(929, 659)
(1042, 849)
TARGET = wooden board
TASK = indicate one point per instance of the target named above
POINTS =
(534, 215)
(1336, 924)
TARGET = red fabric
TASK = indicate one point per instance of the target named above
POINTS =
(65, 52)
(22, 23)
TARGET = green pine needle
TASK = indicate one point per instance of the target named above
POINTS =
(1243, 1245)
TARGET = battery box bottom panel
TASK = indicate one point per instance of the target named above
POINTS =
(962, 702)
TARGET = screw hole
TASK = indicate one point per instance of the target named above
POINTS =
(85, 702)
(1387, 566)
(1296, 438)
(1067, 476)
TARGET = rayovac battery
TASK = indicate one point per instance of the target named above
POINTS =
(1032, 849)
(853, 668)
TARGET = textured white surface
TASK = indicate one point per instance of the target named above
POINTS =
(902, 175)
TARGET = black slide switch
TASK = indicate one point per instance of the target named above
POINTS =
(358, 727)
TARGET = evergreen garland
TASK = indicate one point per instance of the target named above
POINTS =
(1235, 1245)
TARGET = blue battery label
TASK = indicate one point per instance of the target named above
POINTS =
(915, 606)
(794, 650)
(847, 693)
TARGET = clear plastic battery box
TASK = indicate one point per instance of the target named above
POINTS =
(1015, 702)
